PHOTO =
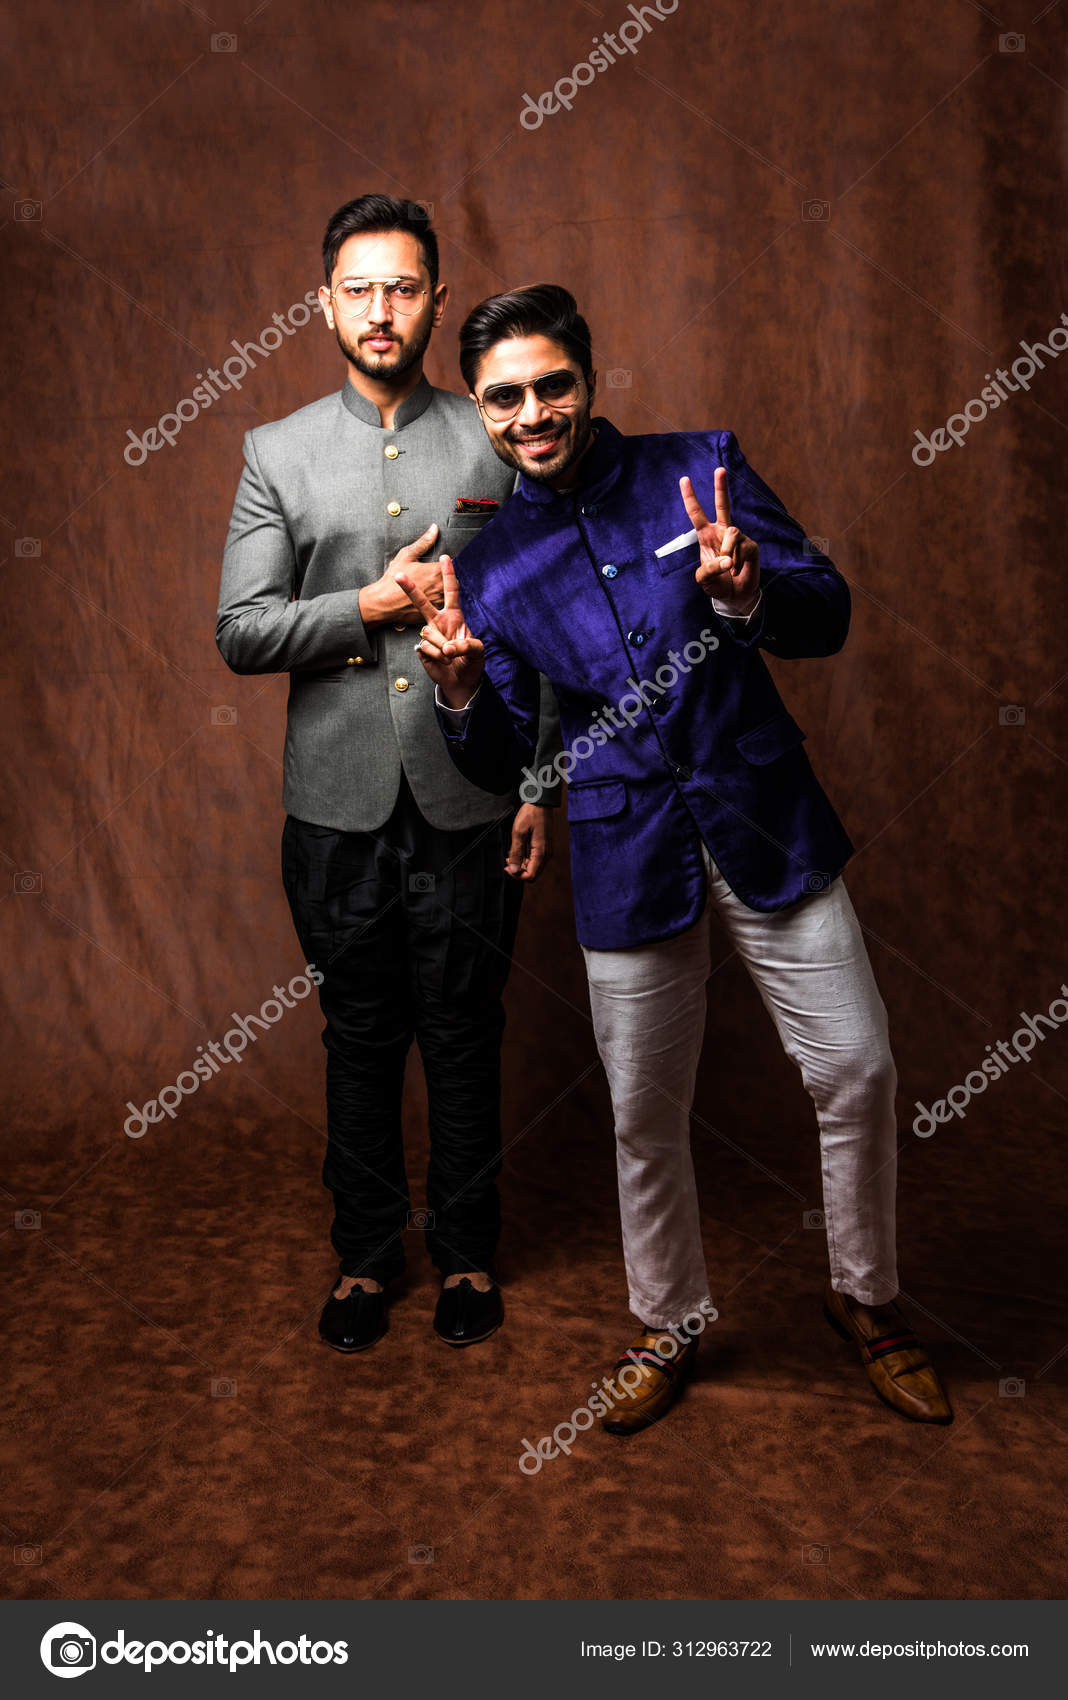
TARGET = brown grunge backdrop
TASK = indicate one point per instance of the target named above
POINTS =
(820, 226)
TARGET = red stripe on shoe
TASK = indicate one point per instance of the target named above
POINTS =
(890, 1343)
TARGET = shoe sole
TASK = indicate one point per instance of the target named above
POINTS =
(635, 1428)
(846, 1334)
(471, 1340)
(348, 1350)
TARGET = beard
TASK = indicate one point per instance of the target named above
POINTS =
(572, 446)
(392, 365)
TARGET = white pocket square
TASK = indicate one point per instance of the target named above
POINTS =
(679, 542)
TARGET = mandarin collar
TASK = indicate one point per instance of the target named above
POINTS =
(601, 466)
(409, 409)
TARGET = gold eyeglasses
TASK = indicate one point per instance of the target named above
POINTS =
(353, 296)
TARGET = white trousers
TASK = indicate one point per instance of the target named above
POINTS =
(811, 968)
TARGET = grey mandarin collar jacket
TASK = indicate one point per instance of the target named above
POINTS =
(326, 498)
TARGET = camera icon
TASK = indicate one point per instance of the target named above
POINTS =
(420, 1555)
(27, 548)
(28, 884)
(224, 716)
(420, 209)
(224, 43)
(421, 882)
(815, 1555)
(816, 211)
(1011, 715)
(1011, 1387)
(816, 546)
(815, 880)
(28, 212)
(223, 1387)
(27, 1220)
(420, 1220)
(1011, 43)
(813, 1219)
(27, 1555)
(68, 1649)
(618, 378)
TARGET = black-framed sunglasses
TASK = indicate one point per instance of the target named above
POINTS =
(558, 390)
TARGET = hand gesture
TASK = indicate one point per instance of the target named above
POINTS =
(451, 656)
(730, 562)
(532, 842)
(426, 574)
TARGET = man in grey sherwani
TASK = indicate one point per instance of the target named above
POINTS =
(404, 879)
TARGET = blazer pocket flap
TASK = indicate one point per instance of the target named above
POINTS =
(596, 799)
(472, 520)
(772, 739)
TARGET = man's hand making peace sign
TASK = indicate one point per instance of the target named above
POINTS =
(455, 661)
(452, 657)
(730, 562)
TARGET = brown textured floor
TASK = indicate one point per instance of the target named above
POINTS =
(200, 1255)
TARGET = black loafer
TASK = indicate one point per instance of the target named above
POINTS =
(354, 1323)
(465, 1316)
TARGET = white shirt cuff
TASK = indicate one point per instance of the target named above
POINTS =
(457, 716)
(729, 613)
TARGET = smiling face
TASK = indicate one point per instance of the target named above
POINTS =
(545, 440)
(383, 343)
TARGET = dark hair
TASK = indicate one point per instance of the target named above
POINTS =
(538, 309)
(380, 212)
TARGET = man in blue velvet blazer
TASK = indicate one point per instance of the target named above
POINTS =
(673, 723)
(688, 792)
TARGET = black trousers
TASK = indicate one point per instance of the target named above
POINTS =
(412, 928)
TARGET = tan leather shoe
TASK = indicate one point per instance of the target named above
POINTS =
(645, 1383)
(898, 1367)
